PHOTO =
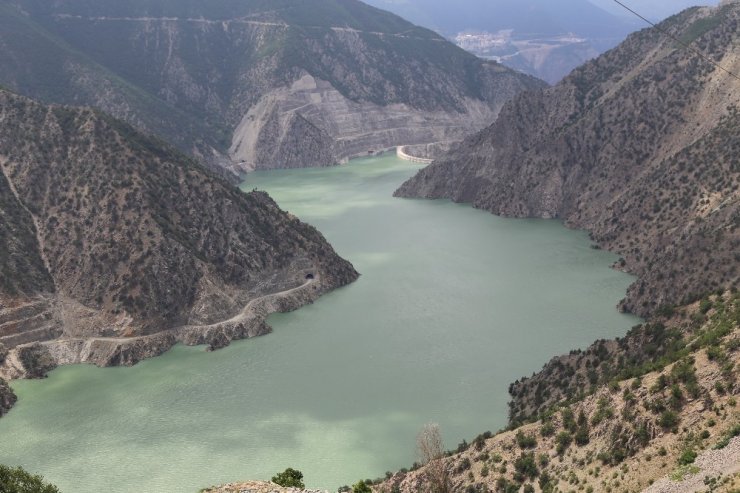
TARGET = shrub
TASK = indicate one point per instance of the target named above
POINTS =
(16, 480)
(463, 466)
(687, 457)
(732, 433)
(526, 466)
(582, 433)
(563, 441)
(705, 305)
(547, 430)
(289, 477)
(668, 419)
(361, 487)
(525, 440)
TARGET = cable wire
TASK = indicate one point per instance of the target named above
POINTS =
(674, 38)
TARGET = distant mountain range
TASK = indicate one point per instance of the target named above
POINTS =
(543, 18)
(254, 84)
(544, 38)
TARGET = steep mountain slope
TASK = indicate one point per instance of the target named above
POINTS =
(639, 147)
(618, 416)
(115, 245)
(268, 84)
(42, 65)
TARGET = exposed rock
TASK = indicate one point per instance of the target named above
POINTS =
(312, 124)
(638, 146)
(257, 487)
(36, 360)
(712, 467)
(311, 83)
(128, 246)
(7, 397)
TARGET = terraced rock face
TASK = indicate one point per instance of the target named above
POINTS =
(255, 84)
(638, 146)
(116, 246)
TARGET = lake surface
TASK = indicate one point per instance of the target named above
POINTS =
(453, 305)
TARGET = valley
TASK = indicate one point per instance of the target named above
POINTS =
(405, 232)
(340, 388)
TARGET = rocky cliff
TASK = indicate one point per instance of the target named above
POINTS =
(255, 84)
(116, 246)
(7, 397)
(638, 146)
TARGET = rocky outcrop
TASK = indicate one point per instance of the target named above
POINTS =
(130, 247)
(311, 123)
(256, 487)
(7, 397)
(246, 86)
(639, 147)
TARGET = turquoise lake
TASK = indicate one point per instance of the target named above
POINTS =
(453, 304)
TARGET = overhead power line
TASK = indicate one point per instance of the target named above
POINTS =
(674, 38)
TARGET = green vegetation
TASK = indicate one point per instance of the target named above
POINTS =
(732, 433)
(563, 441)
(526, 440)
(700, 28)
(16, 480)
(525, 466)
(361, 487)
(680, 473)
(582, 432)
(668, 419)
(646, 348)
(289, 478)
(688, 456)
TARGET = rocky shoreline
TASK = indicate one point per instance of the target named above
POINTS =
(256, 487)
(34, 360)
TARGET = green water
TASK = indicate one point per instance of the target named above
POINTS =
(453, 304)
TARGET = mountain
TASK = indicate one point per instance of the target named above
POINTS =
(254, 84)
(655, 411)
(534, 17)
(543, 38)
(115, 246)
(639, 147)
